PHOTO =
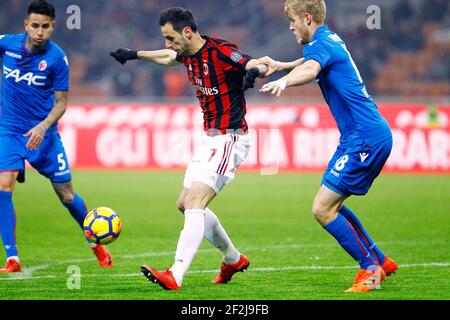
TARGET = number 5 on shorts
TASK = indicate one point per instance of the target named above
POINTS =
(62, 162)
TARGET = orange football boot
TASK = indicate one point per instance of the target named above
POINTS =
(367, 280)
(389, 266)
(164, 278)
(228, 270)
(12, 265)
(104, 258)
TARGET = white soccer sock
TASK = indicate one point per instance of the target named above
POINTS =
(190, 238)
(13, 258)
(216, 234)
(91, 244)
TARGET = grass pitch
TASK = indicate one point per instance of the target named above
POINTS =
(268, 219)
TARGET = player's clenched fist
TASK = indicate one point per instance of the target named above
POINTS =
(274, 87)
(123, 55)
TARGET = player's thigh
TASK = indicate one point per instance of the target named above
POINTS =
(180, 200)
(352, 173)
(51, 160)
(11, 159)
(216, 160)
(199, 196)
(235, 149)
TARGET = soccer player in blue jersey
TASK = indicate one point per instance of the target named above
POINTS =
(34, 93)
(365, 142)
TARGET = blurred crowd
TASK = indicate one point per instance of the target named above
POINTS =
(414, 30)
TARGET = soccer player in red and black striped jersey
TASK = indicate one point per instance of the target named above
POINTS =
(220, 72)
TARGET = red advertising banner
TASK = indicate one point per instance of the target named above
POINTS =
(285, 137)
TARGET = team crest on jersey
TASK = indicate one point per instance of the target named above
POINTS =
(205, 69)
(236, 56)
(42, 65)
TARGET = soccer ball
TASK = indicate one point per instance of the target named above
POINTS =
(102, 225)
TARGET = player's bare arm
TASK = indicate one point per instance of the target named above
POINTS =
(164, 57)
(275, 66)
(300, 75)
(37, 133)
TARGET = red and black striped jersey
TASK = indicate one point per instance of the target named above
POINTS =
(217, 71)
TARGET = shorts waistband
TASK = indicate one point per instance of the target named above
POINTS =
(217, 132)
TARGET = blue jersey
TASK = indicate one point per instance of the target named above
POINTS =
(29, 81)
(355, 112)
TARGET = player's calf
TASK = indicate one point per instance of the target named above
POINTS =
(64, 191)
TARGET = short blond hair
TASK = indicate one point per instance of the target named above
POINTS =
(316, 8)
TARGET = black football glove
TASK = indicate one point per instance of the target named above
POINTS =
(250, 77)
(123, 55)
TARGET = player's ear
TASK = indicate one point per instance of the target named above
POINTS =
(308, 19)
(25, 24)
(187, 32)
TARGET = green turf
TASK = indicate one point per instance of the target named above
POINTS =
(268, 218)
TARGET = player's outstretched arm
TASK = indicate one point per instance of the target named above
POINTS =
(300, 75)
(275, 66)
(164, 57)
(37, 133)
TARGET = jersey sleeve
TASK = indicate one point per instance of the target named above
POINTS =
(319, 52)
(3, 39)
(232, 56)
(179, 58)
(61, 76)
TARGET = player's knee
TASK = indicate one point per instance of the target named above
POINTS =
(7, 181)
(321, 212)
(194, 201)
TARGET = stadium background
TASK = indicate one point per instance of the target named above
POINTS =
(151, 113)
(142, 116)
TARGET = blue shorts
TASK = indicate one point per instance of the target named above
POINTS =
(352, 173)
(49, 159)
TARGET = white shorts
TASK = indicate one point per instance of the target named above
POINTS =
(216, 159)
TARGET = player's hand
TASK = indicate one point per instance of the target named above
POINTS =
(250, 77)
(274, 87)
(36, 135)
(123, 55)
(273, 65)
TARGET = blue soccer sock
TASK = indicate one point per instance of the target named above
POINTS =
(362, 234)
(8, 224)
(347, 237)
(77, 209)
